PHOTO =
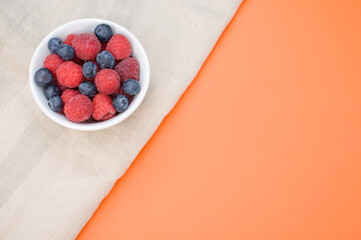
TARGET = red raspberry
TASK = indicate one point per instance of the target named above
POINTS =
(52, 62)
(107, 116)
(102, 107)
(107, 81)
(86, 46)
(128, 68)
(78, 108)
(69, 74)
(119, 46)
(69, 39)
(68, 94)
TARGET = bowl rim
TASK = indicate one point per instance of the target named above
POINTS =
(97, 125)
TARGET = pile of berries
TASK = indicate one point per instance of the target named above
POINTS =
(89, 75)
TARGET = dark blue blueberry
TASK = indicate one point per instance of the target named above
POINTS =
(54, 44)
(90, 69)
(51, 91)
(43, 77)
(103, 32)
(88, 88)
(105, 60)
(120, 103)
(131, 86)
(55, 103)
(65, 52)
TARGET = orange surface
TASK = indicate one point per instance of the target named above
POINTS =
(266, 142)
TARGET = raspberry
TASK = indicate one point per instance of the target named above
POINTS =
(52, 62)
(107, 81)
(78, 108)
(102, 107)
(68, 94)
(128, 68)
(69, 74)
(119, 46)
(86, 46)
(69, 39)
(107, 116)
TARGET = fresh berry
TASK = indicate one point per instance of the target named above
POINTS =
(44, 78)
(88, 88)
(69, 39)
(61, 87)
(107, 116)
(89, 70)
(65, 52)
(119, 46)
(54, 44)
(103, 32)
(51, 91)
(128, 69)
(52, 62)
(68, 94)
(120, 103)
(86, 46)
(102, 105)
(105, 60)
(78, 108)
(55, 103)
(69, 74)
(107, 81)
(131, 86)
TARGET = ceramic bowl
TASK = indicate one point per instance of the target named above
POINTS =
(80, 26)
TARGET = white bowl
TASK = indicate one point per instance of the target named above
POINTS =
(80, 26)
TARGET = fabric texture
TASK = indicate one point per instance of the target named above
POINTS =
(52, 179)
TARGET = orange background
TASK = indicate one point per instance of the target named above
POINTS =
(265, 143)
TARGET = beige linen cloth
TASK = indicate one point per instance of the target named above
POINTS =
(52, 179)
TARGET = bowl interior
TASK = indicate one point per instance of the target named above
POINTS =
(80, 26)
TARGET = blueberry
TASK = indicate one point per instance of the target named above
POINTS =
(51, 91)
(43, 77)
(88, 88)
(66, 52)
(103, 32)
(54, 44)
(131, 86)
(120, 103)
(55, 103)
(105, 60)
(90, 69)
